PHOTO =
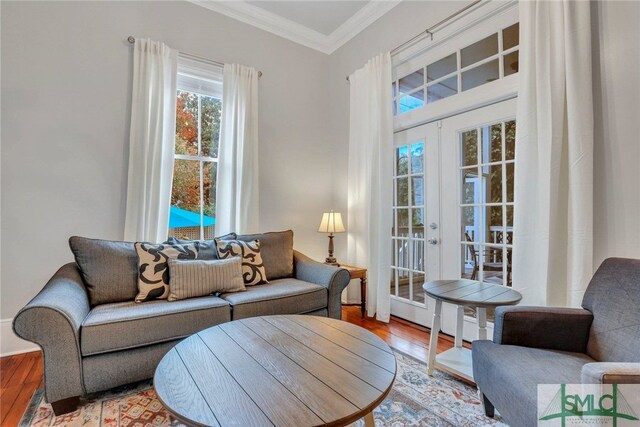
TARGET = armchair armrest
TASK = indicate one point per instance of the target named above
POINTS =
(555, 328)
(333, 278)
(52, 320)
(611, 373)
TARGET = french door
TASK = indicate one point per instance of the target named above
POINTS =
(453, 209)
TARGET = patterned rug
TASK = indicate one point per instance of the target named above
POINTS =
(415, 400)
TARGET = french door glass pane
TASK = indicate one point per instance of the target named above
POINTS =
(402, 161)
(470, 148)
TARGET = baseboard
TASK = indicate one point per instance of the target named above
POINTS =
(10, 344)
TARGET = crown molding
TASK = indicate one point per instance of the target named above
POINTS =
(276, 24)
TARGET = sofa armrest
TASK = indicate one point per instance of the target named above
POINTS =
(565, 329)
(333, 278)
(611, 373)
(52, 320)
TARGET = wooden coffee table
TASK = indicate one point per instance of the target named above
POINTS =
(276, 371)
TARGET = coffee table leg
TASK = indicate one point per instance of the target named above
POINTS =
(482, 323)
(368, 420)
(433, 342)
(459, 325)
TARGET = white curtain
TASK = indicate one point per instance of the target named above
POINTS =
(151, 141)
(370, 179)
(552, 261)
(237, 200)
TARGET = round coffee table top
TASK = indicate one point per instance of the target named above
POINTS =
(276, 371)
(471, 293)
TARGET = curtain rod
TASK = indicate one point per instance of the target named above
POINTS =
(132, 40)
(429, 31)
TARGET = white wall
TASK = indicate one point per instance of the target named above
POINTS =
(616, 67)
(66, 87)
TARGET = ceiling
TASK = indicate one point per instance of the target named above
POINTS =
(322, 16)
(322, 25)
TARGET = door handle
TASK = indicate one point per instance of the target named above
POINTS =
(433, 241)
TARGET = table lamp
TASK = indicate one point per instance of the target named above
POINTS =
(331, 223)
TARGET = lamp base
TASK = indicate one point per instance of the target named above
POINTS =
(331, 261)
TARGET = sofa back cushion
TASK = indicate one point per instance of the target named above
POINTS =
(109, 269)
(206, 248)
(276, 249)
(613, 296)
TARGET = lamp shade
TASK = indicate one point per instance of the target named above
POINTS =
(331, 223)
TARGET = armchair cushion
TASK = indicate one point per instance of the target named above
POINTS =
(611, 373)
(276, 249)
(509, 376)
(564, 329)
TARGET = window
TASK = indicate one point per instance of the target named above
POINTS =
(487, 157)
(198, 110)
(483, 61)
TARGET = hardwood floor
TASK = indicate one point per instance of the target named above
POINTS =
(21, 375)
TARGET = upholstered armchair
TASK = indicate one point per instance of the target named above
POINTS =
(598, 343)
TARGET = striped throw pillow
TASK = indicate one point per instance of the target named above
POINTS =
(197, 278)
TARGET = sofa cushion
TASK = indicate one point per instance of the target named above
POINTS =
(613, 296)
(153, 268)
(197, 278)
(283, 296)
(509, 376)
(277, 252)
(109, 269)
(206, 248)
(252, 266)
(119, 326)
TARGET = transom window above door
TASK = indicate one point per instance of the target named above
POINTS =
(483, 61)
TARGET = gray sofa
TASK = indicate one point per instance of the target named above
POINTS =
(598, 343)
(91, 347)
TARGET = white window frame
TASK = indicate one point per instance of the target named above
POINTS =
(481, 21)
(202, 79)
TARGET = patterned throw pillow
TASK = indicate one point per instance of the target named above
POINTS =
(253, 271)
(153, 270)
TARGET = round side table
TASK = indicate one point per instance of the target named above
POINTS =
(463, 293)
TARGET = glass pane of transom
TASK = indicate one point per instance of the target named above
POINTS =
(479, 50)
(511, 63)
(412, 81)
(511, 36)
(442, 67)
(480, 75)
(411, 102)
(442, 89)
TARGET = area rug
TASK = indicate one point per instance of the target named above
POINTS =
(415, 400)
